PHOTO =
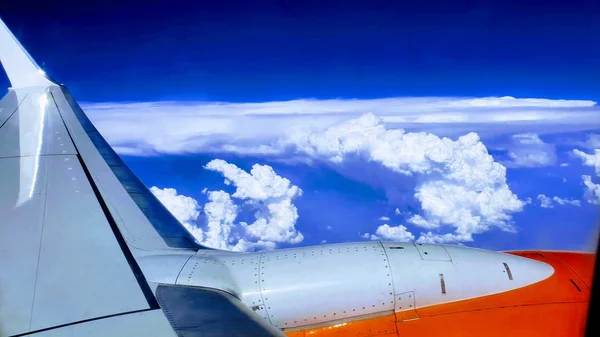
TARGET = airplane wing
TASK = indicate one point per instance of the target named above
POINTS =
(75, 223)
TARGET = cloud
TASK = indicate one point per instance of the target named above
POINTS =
(395, 233)
(592, 142)
(592, 160)
(262, 183)
(185, 209)
(528, 150)
(328, 227)
(220, 212)
(547, 202)
(208, 127)
(457, 183)
(454, 183)
(449, 182)
(384, 218)
(592, 191)
(564, 202)
(268, 195)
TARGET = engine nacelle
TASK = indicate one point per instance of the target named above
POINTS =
(319, 285)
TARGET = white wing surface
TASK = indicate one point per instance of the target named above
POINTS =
(75, 221)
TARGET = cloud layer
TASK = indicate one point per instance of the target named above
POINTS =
(448, 188)
(193, 127)
(451, 183)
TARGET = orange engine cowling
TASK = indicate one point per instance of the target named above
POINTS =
(556, 306)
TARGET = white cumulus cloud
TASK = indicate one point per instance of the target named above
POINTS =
(384, 218)
(394, 233)
(457, 183)
(267, 194)
(593, 141)
(262, 183)
(220, 212)
(563, 201)
(528, 150)
(270, 194)
(592, 190)
(547, 202)
(592, 160)
(185, 209)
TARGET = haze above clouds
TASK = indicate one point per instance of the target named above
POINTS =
(221, 127)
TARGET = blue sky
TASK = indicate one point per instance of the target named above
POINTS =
(274, 50)
(117, 57)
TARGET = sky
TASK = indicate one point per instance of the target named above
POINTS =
(270, 124)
